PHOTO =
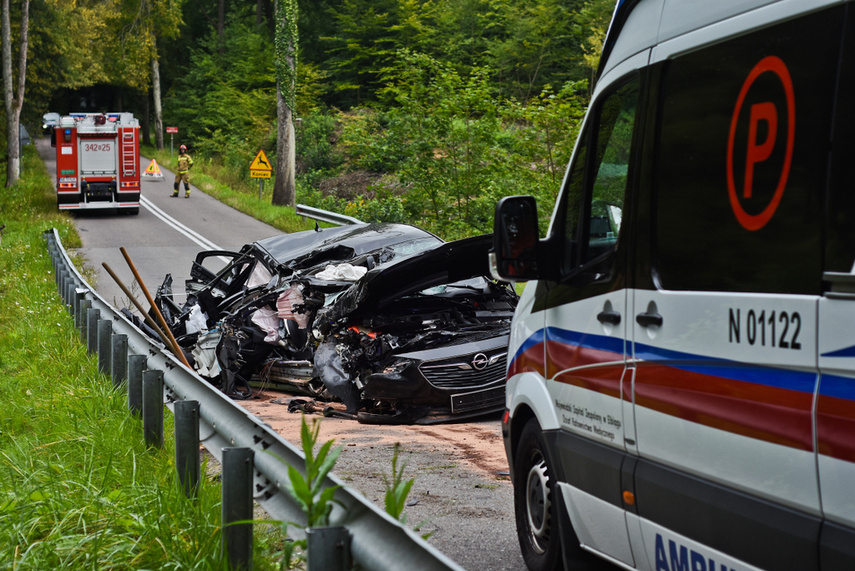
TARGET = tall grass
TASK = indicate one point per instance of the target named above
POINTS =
(78, 487)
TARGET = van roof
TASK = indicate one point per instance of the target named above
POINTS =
(637, 25)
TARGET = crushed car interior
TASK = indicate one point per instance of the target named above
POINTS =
(388, 319)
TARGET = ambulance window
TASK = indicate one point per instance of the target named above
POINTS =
(614, 140)
(606, 178)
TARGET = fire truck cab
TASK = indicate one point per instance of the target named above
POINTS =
(98, 162)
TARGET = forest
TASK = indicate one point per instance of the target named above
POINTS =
(418, 111)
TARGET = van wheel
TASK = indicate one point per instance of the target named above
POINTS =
(536, 512)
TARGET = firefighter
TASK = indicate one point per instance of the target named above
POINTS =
(185, 163)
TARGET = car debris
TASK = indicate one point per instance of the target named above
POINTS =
(388, 319)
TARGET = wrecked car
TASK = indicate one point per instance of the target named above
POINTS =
(386, 318)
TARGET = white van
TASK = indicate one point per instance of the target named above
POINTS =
(681, 374)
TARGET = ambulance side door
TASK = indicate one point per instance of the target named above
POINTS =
(835, 406)
(724, 310)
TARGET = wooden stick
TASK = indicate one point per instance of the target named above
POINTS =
(172, 342)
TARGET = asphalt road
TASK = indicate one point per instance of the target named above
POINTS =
(463, 500)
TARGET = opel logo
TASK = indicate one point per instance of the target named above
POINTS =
(480, 362)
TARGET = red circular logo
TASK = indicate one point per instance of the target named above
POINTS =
(757, 152)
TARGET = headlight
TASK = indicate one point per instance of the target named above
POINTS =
(398, 366)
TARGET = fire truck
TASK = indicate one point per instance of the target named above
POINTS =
(98, 162)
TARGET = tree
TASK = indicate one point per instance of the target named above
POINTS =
(148, 20)
(284, 189)
(14, 101)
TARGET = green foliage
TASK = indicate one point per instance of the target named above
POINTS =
(286, 44)
(308, 491)
(397, 489)
(225, 105)
(79, 489)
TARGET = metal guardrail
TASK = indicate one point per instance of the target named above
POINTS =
(325, 215)
(377, 541)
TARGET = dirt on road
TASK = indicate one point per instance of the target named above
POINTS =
(462, 493)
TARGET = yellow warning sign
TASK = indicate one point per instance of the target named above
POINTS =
(152, 168)
(152, 172)
(260, 163)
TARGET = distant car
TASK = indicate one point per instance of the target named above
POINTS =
(49, 121)
(388, 318)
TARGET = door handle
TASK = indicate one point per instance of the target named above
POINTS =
(648, 319)
(612, 317)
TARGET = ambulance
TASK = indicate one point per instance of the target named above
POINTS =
(681, 369)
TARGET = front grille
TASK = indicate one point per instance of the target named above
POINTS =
(460, 373)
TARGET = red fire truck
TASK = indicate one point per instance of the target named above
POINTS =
(98, 162)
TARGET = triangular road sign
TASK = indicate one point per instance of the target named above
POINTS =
(260, 162)
(153, 171)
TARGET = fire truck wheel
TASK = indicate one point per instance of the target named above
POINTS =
(536, 512)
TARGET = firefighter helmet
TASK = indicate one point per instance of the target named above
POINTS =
(183, 148)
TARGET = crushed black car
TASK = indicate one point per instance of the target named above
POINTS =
(387, 318)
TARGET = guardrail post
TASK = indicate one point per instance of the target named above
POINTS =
(119, 360)
(136, 366)
(187, 457)
(84, 306)
(105, 331)
(328, 549)
(93, 315)
(152, 407)
(68, 294)
(79, 296)
(237, 506)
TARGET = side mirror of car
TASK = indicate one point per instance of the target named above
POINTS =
(516, 254)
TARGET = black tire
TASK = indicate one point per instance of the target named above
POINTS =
(534, 506)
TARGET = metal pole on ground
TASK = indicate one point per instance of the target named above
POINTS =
(152, 397)
(187, 457)
(105, 331)
(136, 368)
(237, 506)
(93, 315)
(119, 361)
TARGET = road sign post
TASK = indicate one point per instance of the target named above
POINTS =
(260, 168)
(171, 131)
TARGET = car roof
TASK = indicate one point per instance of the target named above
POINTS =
(361, 238)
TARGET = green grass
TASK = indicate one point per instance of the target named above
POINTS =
(240, 194)
(78, 487)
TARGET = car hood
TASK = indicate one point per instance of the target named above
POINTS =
(304, 249)
(449, 263)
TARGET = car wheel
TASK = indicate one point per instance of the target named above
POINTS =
(534, 502)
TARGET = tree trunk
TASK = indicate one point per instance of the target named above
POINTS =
(284, 188)
(14, 102)
(155, 88)
(285, 40)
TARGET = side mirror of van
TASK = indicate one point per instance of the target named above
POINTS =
(516, 246)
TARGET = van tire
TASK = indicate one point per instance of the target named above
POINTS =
(536, 512)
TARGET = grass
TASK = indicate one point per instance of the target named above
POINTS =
(238, 193)
(78, 487)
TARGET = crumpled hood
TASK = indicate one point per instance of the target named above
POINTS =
(449, 263)
(352, 240)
